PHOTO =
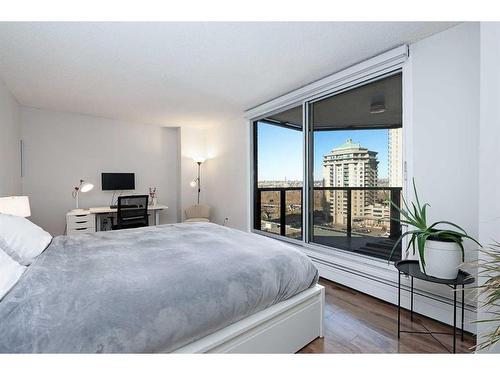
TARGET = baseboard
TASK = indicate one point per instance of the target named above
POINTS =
(378, 279)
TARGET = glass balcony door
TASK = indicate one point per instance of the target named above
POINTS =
(355, 167)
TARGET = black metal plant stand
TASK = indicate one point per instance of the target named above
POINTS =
(412, 269)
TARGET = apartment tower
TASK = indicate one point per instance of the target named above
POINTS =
(349, 165)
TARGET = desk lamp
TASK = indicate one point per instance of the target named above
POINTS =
(84, 187)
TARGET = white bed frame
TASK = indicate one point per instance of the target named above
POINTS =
(282, 328)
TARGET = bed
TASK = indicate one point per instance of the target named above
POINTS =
(186, 288)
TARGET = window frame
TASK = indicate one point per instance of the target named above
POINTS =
(255, 182)
(379, 67)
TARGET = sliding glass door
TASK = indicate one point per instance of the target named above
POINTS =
(354, 168)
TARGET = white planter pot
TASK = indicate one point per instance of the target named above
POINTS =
(442, 259)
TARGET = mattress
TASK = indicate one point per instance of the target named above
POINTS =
(147, 290)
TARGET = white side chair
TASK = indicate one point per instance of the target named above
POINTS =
(197, 213)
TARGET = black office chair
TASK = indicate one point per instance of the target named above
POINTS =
(132, 212)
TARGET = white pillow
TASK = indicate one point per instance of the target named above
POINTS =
(21, 239)
(10, 272)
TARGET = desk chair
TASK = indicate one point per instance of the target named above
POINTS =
(132, 212)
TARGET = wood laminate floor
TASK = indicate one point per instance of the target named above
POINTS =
(358, 323)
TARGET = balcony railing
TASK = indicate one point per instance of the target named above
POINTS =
(278, 209)
(357, 219)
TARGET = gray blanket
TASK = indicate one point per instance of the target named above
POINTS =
(146, 290)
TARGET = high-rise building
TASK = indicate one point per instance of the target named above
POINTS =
(395, 156)
(354, 166)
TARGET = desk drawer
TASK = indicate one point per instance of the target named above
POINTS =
(72, 231)
(81, 221)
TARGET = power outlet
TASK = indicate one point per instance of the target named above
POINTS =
(226, 220)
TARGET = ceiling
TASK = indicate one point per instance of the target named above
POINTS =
(179, 73)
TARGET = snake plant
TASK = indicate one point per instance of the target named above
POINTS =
(415, 216)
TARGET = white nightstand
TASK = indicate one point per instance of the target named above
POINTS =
(80, 221)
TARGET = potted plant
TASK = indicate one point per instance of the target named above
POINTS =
(439, 245)
(489, 268)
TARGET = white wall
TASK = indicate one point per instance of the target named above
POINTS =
(445, 123)
(61, 148)
(193, 145)
(489, 140)
(10, 136)
(228, 172)
(444, 131)
(224, 174)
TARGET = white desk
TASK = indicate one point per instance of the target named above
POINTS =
(89, 220)
(108, 210)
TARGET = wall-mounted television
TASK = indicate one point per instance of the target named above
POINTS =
(118, 181)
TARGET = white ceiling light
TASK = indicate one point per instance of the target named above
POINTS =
(377, 107)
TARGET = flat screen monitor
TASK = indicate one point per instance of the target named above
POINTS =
(118, 181)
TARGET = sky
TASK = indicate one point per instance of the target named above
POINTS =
(280, 150)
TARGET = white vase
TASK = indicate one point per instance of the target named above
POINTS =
(442, 259)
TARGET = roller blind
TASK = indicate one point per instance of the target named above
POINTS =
(374, 105)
